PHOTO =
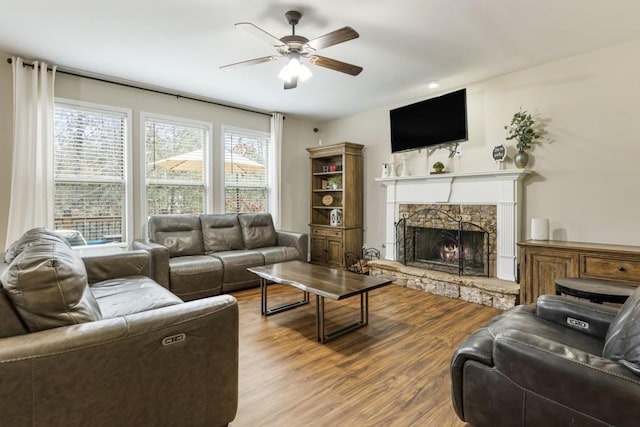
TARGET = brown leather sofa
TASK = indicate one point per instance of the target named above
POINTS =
(196, 256)
(560, 362)
(96, 342)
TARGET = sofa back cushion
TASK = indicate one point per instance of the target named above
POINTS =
(182, 234)
(221, 232)
(257, 230)
(622, 342)
(47, 284)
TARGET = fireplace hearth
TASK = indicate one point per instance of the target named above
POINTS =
(434, 239)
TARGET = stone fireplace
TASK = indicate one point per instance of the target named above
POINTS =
(458, 239)
(469, 251)
(499, 190)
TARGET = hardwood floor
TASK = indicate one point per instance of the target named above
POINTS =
(392, 372)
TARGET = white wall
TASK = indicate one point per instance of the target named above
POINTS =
(586, 173)
(298, 135)
(138, 101)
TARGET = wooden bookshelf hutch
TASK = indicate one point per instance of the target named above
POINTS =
(330, 243)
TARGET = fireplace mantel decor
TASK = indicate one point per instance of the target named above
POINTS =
(501, 188)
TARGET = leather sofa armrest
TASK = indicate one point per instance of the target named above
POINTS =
(587, 317)
(300, 241)
(477, 347)
(159, 260)
(567, 375)
(188, 349)
(112, 266)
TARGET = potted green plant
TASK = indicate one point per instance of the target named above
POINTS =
(521, 129)
(334, 182)
(438, 167)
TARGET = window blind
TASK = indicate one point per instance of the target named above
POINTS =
(175, 166)
(89, 172)
(247, 171)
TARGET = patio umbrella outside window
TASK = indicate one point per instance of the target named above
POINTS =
(246, 183)
(192, 161)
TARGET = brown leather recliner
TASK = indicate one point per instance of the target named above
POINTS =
(96, 342)
(559, 362)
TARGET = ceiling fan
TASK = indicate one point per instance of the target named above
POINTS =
(295, 48)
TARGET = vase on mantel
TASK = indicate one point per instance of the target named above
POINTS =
(521, 159)
(405, 168)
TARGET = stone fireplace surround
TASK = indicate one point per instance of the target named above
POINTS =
(501, 188)
(438, 217)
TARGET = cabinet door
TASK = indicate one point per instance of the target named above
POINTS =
(318, 249)
(335, 254)
(543, 268)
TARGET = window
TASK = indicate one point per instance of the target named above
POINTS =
(176, 166)
(90, 171)
(247, 186)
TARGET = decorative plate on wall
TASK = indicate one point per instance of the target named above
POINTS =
(327, 200)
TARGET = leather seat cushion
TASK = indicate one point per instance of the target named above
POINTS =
(257, 230)
(181, 234)
(195, 276)
(275, 254)
(129, 295)
(622, 342)
(236, 263)
(221, 232)
(47, 284)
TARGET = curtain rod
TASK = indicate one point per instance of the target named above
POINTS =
(178, 96)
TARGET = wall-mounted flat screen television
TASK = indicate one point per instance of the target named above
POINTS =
(434, 121)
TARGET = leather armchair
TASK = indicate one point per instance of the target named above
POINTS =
(97, 342)
(133, 370)
(561, 361)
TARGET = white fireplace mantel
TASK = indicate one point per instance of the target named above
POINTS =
(501, 188)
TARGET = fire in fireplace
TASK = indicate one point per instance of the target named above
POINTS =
(437, 246)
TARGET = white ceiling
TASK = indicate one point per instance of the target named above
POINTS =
(403, 44)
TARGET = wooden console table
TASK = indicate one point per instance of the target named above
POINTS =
(544, 261)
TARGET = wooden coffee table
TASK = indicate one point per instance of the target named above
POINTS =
(323, 282)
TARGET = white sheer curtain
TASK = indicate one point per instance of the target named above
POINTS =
(31, 200)
(277, 125)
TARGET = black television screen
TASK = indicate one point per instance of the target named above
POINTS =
(434, 121)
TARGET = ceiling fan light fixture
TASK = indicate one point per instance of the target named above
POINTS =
(305, 73)
(294, 68)
(285, 74)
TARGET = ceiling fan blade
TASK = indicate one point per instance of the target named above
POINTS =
(292, 84)
(250, 62)
(260, 33)
(334, 64)
(333, 38)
